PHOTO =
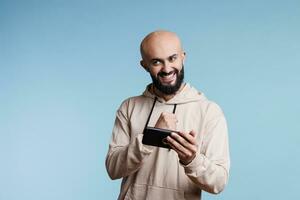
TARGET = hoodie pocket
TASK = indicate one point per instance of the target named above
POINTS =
(148, 192)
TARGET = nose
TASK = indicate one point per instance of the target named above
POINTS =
(167, 67)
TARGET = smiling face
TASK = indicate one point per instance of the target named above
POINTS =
(163, 58)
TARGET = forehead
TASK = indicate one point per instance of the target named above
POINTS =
(161, 46)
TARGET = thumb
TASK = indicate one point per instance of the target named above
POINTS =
(193, 133)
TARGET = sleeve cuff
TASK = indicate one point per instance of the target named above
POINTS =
(195, 166)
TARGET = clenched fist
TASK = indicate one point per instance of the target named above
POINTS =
(166, 121)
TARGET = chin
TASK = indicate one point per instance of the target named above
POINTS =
(172, 84)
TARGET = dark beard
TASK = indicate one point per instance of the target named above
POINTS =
(169, 89)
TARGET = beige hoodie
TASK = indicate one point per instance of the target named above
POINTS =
(155, 173)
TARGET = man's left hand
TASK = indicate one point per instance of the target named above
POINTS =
(185, 145)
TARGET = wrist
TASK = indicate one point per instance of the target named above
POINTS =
(186, 162)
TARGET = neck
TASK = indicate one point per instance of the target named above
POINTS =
(166, 97)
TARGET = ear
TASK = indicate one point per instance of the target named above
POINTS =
(183, 56)
(142, 63)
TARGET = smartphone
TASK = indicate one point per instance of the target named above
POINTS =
(156, 137)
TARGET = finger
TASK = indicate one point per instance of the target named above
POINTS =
(165, 115)
(186, 140)
(193, 133)
(191, 146)
(180, 153)
(168, 116)
(172, 117)
(179, 147)
(188, 137)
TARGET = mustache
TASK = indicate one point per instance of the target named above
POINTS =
(166, 74)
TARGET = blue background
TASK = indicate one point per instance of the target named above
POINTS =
(65, 67)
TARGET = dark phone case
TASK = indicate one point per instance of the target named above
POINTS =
(155, 136)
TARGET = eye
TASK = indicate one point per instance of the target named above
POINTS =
(155, 62)
(173, 58)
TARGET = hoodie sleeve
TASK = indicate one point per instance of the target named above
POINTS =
(126, 151)
(210, 168)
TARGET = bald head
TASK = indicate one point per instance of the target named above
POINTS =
(159, 42)
(163, 58)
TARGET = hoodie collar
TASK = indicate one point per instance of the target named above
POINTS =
(186, 95)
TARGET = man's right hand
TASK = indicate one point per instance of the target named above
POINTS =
(166, 121)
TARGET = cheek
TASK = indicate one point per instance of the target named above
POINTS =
(179, 63)
(179, 66)
(154, 72)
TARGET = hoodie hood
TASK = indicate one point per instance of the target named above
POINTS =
(186, 95)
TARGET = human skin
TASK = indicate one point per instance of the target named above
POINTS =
(161, 51)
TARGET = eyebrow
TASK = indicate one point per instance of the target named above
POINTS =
(160, 59)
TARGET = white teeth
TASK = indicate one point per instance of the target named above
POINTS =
(168, 77)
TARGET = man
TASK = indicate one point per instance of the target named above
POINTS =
(199, 155)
